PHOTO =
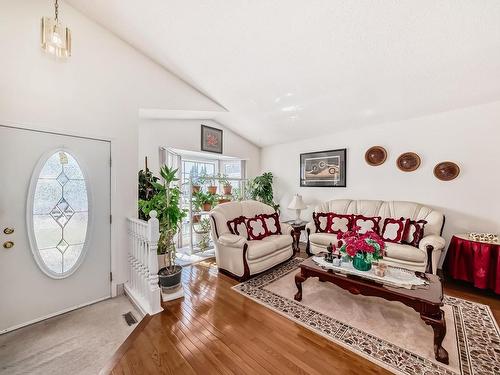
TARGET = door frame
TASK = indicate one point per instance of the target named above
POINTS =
(112, 186)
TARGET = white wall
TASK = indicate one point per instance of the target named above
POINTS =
(97, 92)
(470, 137)
(185, 135)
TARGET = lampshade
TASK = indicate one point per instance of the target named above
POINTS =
(56, 38)
(297, 203)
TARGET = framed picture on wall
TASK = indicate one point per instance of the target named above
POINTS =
(211, 139)
(323, 168)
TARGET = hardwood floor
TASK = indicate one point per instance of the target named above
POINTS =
(214, 330)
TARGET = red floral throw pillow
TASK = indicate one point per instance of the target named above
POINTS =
(414, 231)
(256, 228)
(272, 222)
(339, 223)
(321, 221)
(238, 226)
(393, 230)
(367, 223)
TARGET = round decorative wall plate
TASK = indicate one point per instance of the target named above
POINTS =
(446, 171)
(408, 162)
(375, 156)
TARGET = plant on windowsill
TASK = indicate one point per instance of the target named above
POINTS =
(362, 249)
(261, 189)
(166, 203)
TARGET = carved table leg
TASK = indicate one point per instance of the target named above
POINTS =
(438, 324)
(296, 240)
(299, 279)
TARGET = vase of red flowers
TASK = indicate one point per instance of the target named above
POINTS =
(362, 249)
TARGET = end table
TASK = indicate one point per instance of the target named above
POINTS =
(477, 262)
(297, 230)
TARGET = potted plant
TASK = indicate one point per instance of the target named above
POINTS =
(211, 188)
(206, 200)
(223, 199)
(197, 206)
(170, 215)
(261, 189)
(146, 188)
(195, 181)
(204, 232)
(226, 185)
(362, 249)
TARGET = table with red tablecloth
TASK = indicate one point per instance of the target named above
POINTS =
(474, 261)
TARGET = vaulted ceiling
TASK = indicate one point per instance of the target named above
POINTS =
(287, 69)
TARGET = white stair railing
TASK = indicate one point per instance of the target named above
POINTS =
(142, 285)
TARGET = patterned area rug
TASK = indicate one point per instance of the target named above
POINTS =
(387, 333)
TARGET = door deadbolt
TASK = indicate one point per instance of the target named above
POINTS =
(8, 230)
(8, 245)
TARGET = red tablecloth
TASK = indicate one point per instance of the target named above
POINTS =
(476, 262)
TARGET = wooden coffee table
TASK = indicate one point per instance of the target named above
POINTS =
(427, 301)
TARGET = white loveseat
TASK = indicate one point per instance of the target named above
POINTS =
(425, 258)
(241, 258)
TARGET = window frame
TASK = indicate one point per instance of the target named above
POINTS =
(35, 175)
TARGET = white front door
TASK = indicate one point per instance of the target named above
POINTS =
(54, 224)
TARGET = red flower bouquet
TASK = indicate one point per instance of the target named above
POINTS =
(362, 249)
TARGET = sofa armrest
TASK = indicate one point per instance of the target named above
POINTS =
(433, 245)
(311, 226)
(232, 240)
(286, 228)
(433, 240)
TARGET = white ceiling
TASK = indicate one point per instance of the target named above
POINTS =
(287, 69)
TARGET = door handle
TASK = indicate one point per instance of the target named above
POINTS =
(8, 244)
(8, 230)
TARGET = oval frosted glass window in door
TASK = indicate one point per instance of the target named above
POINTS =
(60, 214)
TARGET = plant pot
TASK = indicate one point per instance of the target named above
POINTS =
(224, 200)
(227, 189)
(207, 207)
(212, 190)
(196, 218)
(359, 263)
(170, 280)
(196, 188)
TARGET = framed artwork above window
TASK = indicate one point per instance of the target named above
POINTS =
(211, 139)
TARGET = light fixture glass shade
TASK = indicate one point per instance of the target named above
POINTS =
(297, 203)
(56, 38)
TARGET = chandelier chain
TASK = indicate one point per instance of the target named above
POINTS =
(56, 6)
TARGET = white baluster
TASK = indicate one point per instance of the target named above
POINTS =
(142, 285)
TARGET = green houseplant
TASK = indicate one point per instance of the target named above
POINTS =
(261, 189)
(212, 187)
(170, 215)
(195, 181)
(205, 201)
(204, 232)
(146, 188)
(226, 185)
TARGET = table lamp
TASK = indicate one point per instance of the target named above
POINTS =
(297, 204)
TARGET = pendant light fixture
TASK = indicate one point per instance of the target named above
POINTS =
(56, 38)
